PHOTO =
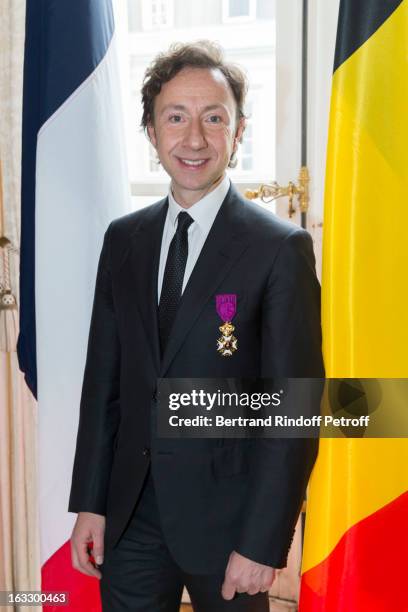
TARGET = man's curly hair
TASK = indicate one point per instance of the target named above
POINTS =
(199, 54)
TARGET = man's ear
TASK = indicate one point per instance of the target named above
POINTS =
(152, 134)
(239, 132)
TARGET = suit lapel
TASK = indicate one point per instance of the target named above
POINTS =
(144, 259)
(226, 241)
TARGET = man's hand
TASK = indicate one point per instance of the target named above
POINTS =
(88, 528)
(245, 576)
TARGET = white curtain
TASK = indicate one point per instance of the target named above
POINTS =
(19, 542)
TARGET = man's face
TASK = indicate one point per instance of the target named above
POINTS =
(195, 130)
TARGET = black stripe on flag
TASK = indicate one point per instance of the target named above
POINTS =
(358, 20)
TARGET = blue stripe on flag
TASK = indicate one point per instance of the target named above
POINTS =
(65, 41)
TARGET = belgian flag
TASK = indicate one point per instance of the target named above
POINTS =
(356, 540)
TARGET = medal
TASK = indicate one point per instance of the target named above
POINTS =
(226, 305)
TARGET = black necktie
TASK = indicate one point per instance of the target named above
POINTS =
(173, 278)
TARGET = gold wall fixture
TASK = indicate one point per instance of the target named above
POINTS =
(268, 193)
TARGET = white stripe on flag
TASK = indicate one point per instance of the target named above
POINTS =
(81, 185)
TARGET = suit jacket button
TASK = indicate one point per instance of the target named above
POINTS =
(146, 452)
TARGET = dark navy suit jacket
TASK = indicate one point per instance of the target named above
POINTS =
(214, 496)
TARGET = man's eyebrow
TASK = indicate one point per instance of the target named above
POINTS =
(213, 107)
(173, 106)
(181, 107)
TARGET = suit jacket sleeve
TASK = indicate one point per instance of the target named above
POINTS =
(99, 407)
(291, 347)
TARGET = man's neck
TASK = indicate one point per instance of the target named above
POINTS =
(187, 198)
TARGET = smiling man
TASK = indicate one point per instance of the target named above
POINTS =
(216, 516)
(211, 121)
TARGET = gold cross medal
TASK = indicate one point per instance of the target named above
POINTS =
(226, 305)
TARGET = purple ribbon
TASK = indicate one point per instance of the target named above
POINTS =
(226, 304)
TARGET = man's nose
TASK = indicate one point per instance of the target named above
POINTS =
(194, 136)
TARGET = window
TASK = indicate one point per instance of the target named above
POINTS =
(157, 14)
(249, 43)
(238, 10)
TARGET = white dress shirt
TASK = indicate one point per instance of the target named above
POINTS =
(203, 214)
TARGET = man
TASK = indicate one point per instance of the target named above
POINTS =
(214, 515)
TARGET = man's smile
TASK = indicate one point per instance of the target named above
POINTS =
(192, 164)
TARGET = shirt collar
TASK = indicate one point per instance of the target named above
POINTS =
(205, 210)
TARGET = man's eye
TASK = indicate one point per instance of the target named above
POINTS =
(175, 118)
(214, 119)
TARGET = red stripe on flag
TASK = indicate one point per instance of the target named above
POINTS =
(367, 570)
(57, 574)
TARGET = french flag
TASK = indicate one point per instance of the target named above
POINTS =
(74, 182)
